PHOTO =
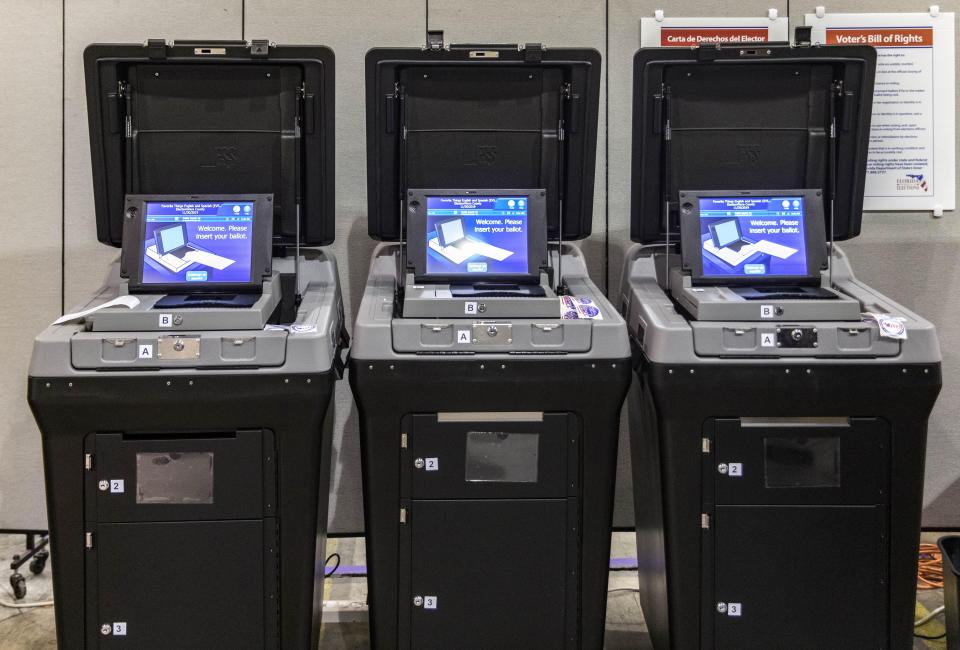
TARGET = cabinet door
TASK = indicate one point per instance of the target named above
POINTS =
(491, 574)
(490, 455)
(180, 477)
(788, 576)
(182, 585)
(801, 461)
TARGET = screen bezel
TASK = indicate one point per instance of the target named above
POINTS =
(416, 213)
(134, 228)
(815, 238)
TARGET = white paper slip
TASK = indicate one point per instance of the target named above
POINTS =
(208, 259)
(123, 301)
(777, 250)
(488, 250)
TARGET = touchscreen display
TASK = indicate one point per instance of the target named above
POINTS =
(753, 236)
(477, 235)
(197, 242)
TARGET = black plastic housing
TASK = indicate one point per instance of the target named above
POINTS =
(734, 118)
(217, 117)
(482, 117)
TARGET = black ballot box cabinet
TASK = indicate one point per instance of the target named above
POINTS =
(203, 538)
(778, 482)
(478, 495)
(187, 490)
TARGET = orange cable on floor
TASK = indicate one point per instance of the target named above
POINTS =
(930, 567)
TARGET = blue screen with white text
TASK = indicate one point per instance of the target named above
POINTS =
(197, 242)
(477, 235)
(753, 236)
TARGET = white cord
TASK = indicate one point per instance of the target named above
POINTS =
(929, 617)
(41, 603)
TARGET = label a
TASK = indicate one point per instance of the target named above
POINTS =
(145, 352)
(768, 340)
(463, 336)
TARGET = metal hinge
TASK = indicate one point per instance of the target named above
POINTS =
(434, 39)
(403, 515)
(704, 521)
(403, 441)
(88, 540)
(88, 462)
(259, 48)
(156, 48)
(533, 52)
(705, 445)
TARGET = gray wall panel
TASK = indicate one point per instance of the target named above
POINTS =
(30, 181)
(912, 257)
(350, 29)
(107, 21)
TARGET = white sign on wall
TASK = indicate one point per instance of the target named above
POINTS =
(663, 31)
(912, 157)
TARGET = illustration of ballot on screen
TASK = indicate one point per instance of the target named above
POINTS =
(173, 250)
(726, 241)
(453, 243)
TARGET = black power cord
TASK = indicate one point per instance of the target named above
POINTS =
(335, 566)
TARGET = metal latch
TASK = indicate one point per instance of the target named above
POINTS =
(492, 333)
(88, 540)
(259, 48)
(803, 35)
(88, 462)
(434, 39)
(708, 52)
(533, 52)
(178, 347)
(156, 48)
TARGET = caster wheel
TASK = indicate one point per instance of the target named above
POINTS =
(38, 564)
(19, 584)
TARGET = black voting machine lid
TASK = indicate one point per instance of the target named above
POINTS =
(214, 117)
(482, 116)
(730, 117)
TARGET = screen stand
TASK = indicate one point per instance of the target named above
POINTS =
(558, 283)
(296, 263)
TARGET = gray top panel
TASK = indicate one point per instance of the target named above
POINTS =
(379, 334)
(668, 336)
(73, 350)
